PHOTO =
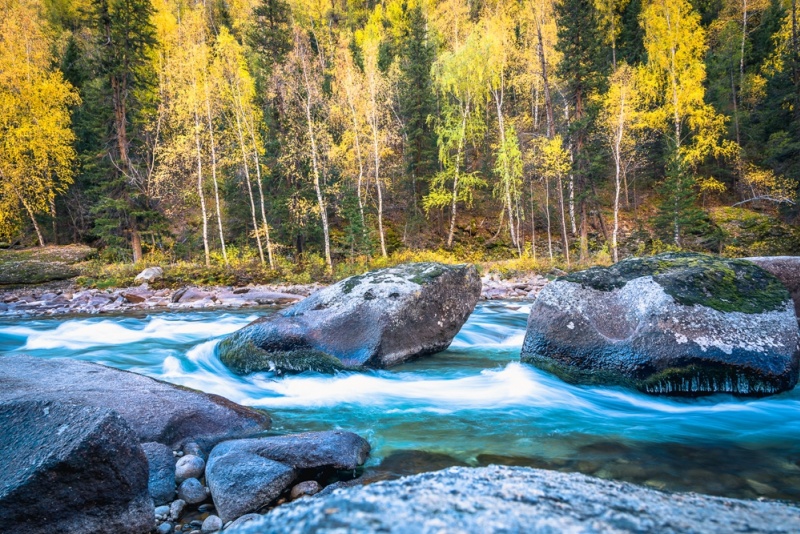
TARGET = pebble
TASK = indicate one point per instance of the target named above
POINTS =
(162, 512)
(194, 449)
(176, 509)
(189, 466)
(212, 523)
(309, 487)
(164, 528)
(192, 491)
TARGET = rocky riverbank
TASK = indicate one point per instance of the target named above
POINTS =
(58, 298)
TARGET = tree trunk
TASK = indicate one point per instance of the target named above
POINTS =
(377, 160)
(136, 242)
(200, 187)
(548, 102)
(547, 214)
(214, 173)
(33, 219)
(459, 150)
(563, 219)
(246, 167)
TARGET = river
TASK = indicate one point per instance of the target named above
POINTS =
(473, 404)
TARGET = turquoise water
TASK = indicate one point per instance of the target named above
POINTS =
(473, 404)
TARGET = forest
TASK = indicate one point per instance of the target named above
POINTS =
(331, 131)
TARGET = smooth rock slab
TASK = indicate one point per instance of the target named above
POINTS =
(161, 463)
(155, 410)
(70, 468)
(375, 320)
(335, 449)
(680, 324)
(518, 499)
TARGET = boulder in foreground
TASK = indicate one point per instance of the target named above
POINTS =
(156, 411)
(72, 469)
(375, 320)
(680, 324)
(247, 474)
(518, 499)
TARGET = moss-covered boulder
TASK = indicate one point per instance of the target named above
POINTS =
(678, 324)
(375, 320)
(41, 264)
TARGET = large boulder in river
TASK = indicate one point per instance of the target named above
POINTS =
(72, 469)
(681, 324)
(156, 411)
(518, 499)
(375, 320)
(787, 270)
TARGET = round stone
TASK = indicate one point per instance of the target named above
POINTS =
(309, 487)
(189, 466)
(164, 528)
(192, 491)
(212, 523)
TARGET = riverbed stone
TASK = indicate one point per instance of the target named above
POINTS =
(241, 482)
(151, 274)
(71, 468)
(518, 499)
(304, 489)
(680, 324)
(189, 466)
(192, 491)
(161, 464)
(334, 449)
(375, 320)
(156, 411)
(211, 524)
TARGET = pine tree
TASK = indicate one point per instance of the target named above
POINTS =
(416, 99)
(124, 38)
(582, 70)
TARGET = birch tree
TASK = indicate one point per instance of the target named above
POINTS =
(36, 153)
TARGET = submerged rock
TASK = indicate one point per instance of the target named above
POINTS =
(681, 324)
(375, 320)
(72, 469)
(516, 499)
(155, 410)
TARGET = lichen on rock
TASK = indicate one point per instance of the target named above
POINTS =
(374, 320)
(677, 324)
(722, 284)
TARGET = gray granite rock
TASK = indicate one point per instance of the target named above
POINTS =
(305, 488)
(161, 463)
(155, 410)
(211, 524)
(192, 491)
(335, 448)
(70, 468)
(150, 274)
(189, 466)
(375, 320)
(519, 500)
(787, 270)
(677, 324)
(242, 482)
